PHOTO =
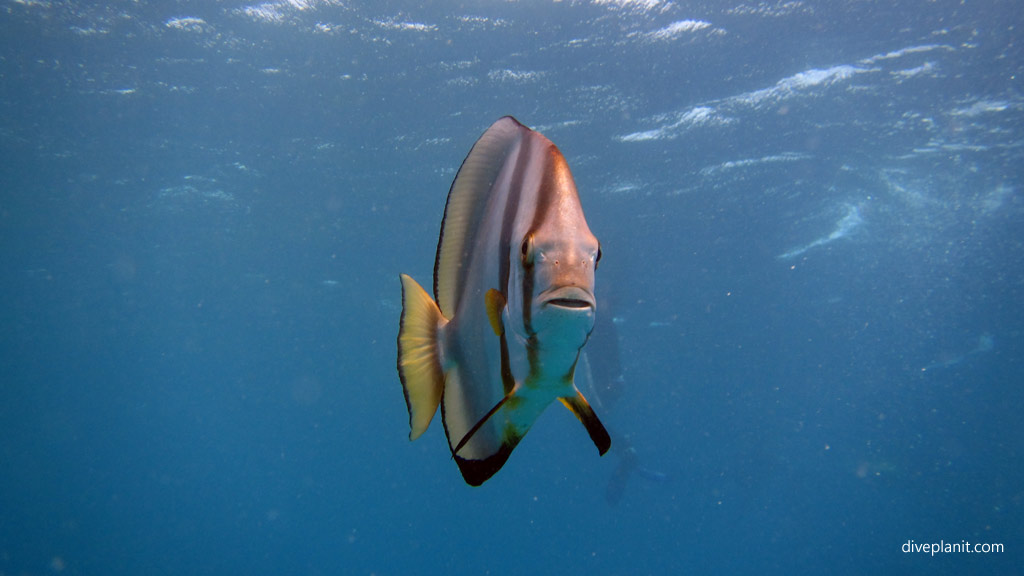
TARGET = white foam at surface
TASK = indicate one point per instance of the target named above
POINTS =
(784, 89)
(926, 68)
(696, 116)
(804, 83)
(904, 52)
(267, 12)
(276, 12)
(634, 5)
(644, 136)
(765, 9)
(677, 29)
(846, 224)
(747, 162)
(188, 24)
(411, 26)
(800, 82)
(982, 107)
(516, 76)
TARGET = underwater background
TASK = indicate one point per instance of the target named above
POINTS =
(809, 347)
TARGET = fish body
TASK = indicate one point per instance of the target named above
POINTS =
(513, 303)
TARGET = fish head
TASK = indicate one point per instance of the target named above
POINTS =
(551, 289)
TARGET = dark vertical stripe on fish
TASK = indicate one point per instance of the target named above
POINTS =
(540, 214)
(509, 215)
(512, 203)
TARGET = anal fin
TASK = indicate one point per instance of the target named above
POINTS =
(481, 422)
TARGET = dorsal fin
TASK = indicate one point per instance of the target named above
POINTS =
(467, 201)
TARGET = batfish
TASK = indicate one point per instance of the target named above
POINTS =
(513, 303)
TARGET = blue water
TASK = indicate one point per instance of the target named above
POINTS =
(811, 218)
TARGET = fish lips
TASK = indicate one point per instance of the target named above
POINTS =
(568, 298)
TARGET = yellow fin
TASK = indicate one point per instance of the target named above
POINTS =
(495, 304)
(419, 359)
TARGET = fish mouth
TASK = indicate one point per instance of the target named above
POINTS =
(569, 297)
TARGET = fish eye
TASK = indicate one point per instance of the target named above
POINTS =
(597, 260)
(526, 250)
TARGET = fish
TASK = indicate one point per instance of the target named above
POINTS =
(513, 303)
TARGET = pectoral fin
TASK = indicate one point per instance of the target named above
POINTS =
(495, 304)
(579, 406)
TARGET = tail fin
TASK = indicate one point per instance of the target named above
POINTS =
(419, 359)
